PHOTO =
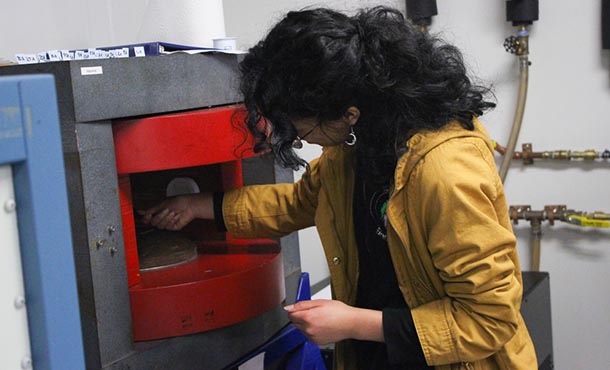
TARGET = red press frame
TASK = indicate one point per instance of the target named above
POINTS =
(230, 281)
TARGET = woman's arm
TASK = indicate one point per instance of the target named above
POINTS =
(457, 197)
(271, 210)
(329, 321)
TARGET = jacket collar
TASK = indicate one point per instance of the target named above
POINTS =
(424, 141)
(419, 145)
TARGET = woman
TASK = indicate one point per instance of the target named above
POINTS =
(405, 196)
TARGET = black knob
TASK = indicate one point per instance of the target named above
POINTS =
(511, 44)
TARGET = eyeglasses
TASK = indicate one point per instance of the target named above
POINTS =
(298, 142)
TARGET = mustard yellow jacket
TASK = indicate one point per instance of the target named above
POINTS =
(449, 236)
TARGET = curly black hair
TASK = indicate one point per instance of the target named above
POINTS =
(318, 62)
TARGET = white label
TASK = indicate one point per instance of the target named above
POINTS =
(54, 55)
(88, 71)
(139, 51)
(79, 55)
(65, 55)
(42, 57)
(26, 58)
(125, 53)
(92, 53)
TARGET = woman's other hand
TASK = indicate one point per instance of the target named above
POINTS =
(177, 212)
(329, 321)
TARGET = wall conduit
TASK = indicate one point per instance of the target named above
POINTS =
(517, 45)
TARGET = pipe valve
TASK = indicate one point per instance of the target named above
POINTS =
(518, 45)
(511, 44)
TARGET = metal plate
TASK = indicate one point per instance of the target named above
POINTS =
(161, 249)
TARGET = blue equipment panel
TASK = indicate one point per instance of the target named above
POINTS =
(30, 141)
(11, 127)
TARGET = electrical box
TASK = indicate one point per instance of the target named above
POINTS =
(536, 311)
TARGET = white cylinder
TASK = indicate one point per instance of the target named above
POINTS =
(186, 22)
(225, 43)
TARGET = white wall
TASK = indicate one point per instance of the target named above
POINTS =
(30, 26)
(567, 108)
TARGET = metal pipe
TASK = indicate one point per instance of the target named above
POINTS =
(535, 238)
(596, 219)
(522, 52)
(551, 213)
(528, 155)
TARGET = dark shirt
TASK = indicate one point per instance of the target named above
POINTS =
(378, 287)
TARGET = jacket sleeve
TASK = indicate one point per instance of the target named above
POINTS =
(275, 210)
(472, 248)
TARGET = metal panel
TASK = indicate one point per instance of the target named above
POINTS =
(105, 244)
(135, 86)
(44, 230)
(536, 311)
(138, 86)
(213, 350)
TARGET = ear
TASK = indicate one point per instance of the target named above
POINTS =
(351, 115)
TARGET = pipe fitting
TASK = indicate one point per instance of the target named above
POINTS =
(518, 45)
(587, 155)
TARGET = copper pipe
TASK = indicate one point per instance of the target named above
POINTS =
(551, 213)
(528, 155)
(524, 212)
(502, 150)
(587, 155)
(536, 236)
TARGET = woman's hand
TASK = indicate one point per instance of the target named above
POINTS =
(325, 321)
(177, 212)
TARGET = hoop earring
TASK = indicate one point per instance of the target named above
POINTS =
(351, 140)
(297, 143)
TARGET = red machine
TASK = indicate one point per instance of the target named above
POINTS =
(214, 281)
